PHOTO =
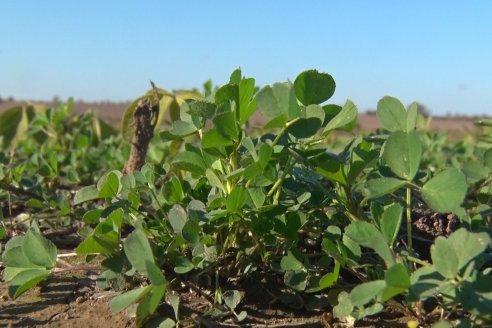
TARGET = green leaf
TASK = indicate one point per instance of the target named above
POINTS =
(214, 180)
(173, 190)
(390, 222)
(202, 109)
(39, 250)
(330, 167)
(122, 301)
(412, 115)
(177, 218)
(444, 258)
(276, 101)
(92, 216)
(487, 158)
(484, 122)
(86, 194)
(105, 238)
(296, 280)
(191, 162)
(191, 232)
(156, 296)
(392, 114)
(264, 155)
(102, 129)
(143, 310)
(226, 93)
(247, 143)
(367, 235)
(247, 105)
(213, 139)
(225, 122)
(446, 191)
(25, 280)
(370, 310)
(257, 196)
(291, 262)
(344, 117)
(138, 251)
(179, 129)
(365, 292)
(241, 316)
(360, 158)
(327, 280)
(402, 153)
(235, 77)
(236, 199)
(442, 324)
(174, 302)
(155, 274)
(109, 185)
(3, 231)
(344, 307)
(277, 122)
(231, 298)
(468, 245)
(35, 203)
(397, 281)
(312, 118)
(313, 87)
(474, 170)
(426, 282)
(382, 186)
(397, 276)
(476, 296)
(183, 265)
(13, 126)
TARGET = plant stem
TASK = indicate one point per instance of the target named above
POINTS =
(409, 218)
(417, 260)
(78, 268)
(278, 183)
(284, 129)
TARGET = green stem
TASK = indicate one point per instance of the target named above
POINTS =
(417, 260)
(278, 183)
(409, 218)
(284, 129)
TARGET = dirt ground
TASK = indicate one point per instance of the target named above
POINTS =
(74, 301)
(61, 301)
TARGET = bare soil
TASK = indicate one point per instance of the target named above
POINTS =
(61, 301)
(73, 300)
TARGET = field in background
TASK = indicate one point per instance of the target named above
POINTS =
(112, 112)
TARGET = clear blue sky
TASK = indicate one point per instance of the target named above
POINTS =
(435, 52)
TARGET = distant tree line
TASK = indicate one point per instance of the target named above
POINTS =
(8, 99)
